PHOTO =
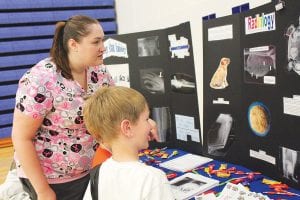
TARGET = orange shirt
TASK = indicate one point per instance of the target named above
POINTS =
(100, 156)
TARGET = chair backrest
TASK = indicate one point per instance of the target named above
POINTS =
(26, 32)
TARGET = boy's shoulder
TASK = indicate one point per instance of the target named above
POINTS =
(149, 172)
(137, 166)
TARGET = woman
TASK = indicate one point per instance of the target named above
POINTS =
(53, 150)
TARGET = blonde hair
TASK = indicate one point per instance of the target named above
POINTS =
(108, 106)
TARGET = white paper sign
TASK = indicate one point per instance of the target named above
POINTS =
(185, 126)
(220, 33)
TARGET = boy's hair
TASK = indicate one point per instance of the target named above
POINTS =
(108, 106)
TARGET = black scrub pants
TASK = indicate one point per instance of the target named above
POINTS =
(73, 190)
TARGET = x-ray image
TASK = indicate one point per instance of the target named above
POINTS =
(290, 164)
(162, 117)
(218, 134)
(183, 83)
(152, 80)
(260, 65)
(187, 185)
(148, 46)
(293, 53)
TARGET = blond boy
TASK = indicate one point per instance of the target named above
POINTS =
(119, 116)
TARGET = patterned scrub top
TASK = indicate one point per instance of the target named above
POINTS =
(62, 143)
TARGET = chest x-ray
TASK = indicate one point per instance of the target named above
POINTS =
(148, 46)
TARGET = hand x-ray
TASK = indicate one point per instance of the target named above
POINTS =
(152, 80)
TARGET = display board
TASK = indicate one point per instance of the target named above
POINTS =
(222, 91)
(160, 65)
(252, 90)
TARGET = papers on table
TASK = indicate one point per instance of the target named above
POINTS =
(233, 192)
(190, 184)
(185, 163)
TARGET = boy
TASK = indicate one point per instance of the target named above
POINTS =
(119, 117)
(103, 152)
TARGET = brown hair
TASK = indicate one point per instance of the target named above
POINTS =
(108, 106)
(75, 28)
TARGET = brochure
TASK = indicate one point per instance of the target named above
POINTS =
(236, 192)
(189, 185)
(233, 192)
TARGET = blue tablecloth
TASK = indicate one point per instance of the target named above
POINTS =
(255, 185)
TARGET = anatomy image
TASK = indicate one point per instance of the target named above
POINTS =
(259, 118)
(152, 80)
(259, 62)
(290, 164)
(186, 185)
(219, 79)
(162, 117)
(148, 46)
(293, 49)
(218, 134)
(183, 83)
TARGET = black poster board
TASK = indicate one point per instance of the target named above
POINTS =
(261, 97)
(160, 65)
(267, 102)
(222, 91)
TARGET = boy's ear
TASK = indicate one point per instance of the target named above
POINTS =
(126, 128)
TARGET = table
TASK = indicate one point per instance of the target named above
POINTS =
(254, 185)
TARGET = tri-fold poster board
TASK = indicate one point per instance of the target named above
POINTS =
(251, 85)
(252, 90)
(160, 65)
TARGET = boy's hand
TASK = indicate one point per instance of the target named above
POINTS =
(154, 131)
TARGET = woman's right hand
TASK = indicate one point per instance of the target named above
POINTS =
(23, 132)
(48, 194)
